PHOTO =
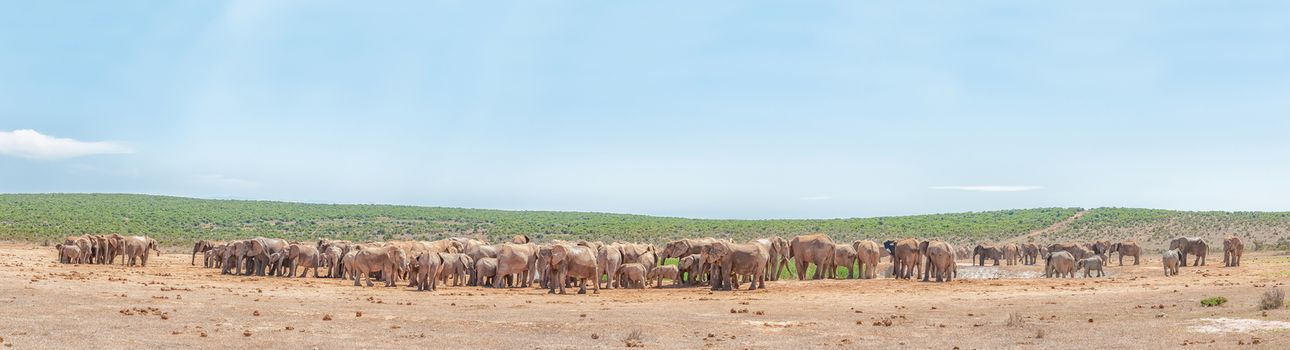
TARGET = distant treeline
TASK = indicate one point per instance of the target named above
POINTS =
(177, 221)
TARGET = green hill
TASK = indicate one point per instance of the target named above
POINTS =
(178, 221)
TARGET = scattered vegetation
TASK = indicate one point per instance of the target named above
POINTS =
(176, 221)
(1213, 301)
(633, 339)
(1273, 298)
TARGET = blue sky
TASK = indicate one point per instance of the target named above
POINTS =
(714, 109)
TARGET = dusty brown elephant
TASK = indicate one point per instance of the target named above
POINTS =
(1129, 248)
(201, 247)
(518, 262)
(906, 259)
(666, 271)
(1232, 250)
(686, 247)
(388, 261)
(485, 271)
(520, 239)
(137, 247)
(455, 266)
(258, 250)
(867, 255)
(632, 275)
(429, 265)
(982, 252)
(940, 261)
(811, 249)
(1078, 251)
(68, 254)
(691, 266)
(572, 261)
(610, 257)
(477, 252)
(1060, 263)
(1011, 252)
(329, 260)
(1029, 253)
(778, 248)
(234, 252)
(1170, 260)
(844, 255)
(304, 257)
(1190, 245)
(729, 260)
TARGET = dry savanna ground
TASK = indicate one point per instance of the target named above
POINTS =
(170, 304)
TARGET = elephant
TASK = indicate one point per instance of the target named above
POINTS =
(329, 259)
(844, 255)
(691, 266)
(572, 261)
(1029, 253)
(258, 250)
(214, 258)
(388, 260)
(610, 257)
(201, 247)
(518, 261)
(429, 265)
(686, 247)
(867, 255)
(85, 246)
(1171, 259)
(632, 275)
(520, 239)
(1190, 245)
(778, 248)
(137, 247)
(1011, 252)
(304, 257)
(1078, 251)
(485, 271)
(730, 259)
(906, 258)
(1089, 265)
(1232, 250)
(477, 252)
(347, 263)
(645, 254)
(277, 259)
(455, 265)
(232, 256)
(987, 251)
(68, 254)
(940, 261)
(666, 271)
(1100, 247)
(333, 252)
(811, 249)
(1129, 248)
(1060, 263)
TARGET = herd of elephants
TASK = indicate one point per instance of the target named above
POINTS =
(717, 263)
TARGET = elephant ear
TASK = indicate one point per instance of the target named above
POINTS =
(922, 247)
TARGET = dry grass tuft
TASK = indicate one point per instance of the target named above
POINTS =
(1039, 333)
(633, 339)
(1273, 298)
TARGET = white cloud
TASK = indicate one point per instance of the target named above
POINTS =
(27, 143)
(989, 188)
(817, 198)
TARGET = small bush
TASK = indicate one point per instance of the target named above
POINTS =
(1273, 298)
(1213, 301)
(633, 339)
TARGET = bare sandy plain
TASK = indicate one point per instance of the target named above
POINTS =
(170, 304)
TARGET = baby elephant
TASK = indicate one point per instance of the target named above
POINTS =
(666, 271)
(1170, 259)
(632, 275)
(1089, 265)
